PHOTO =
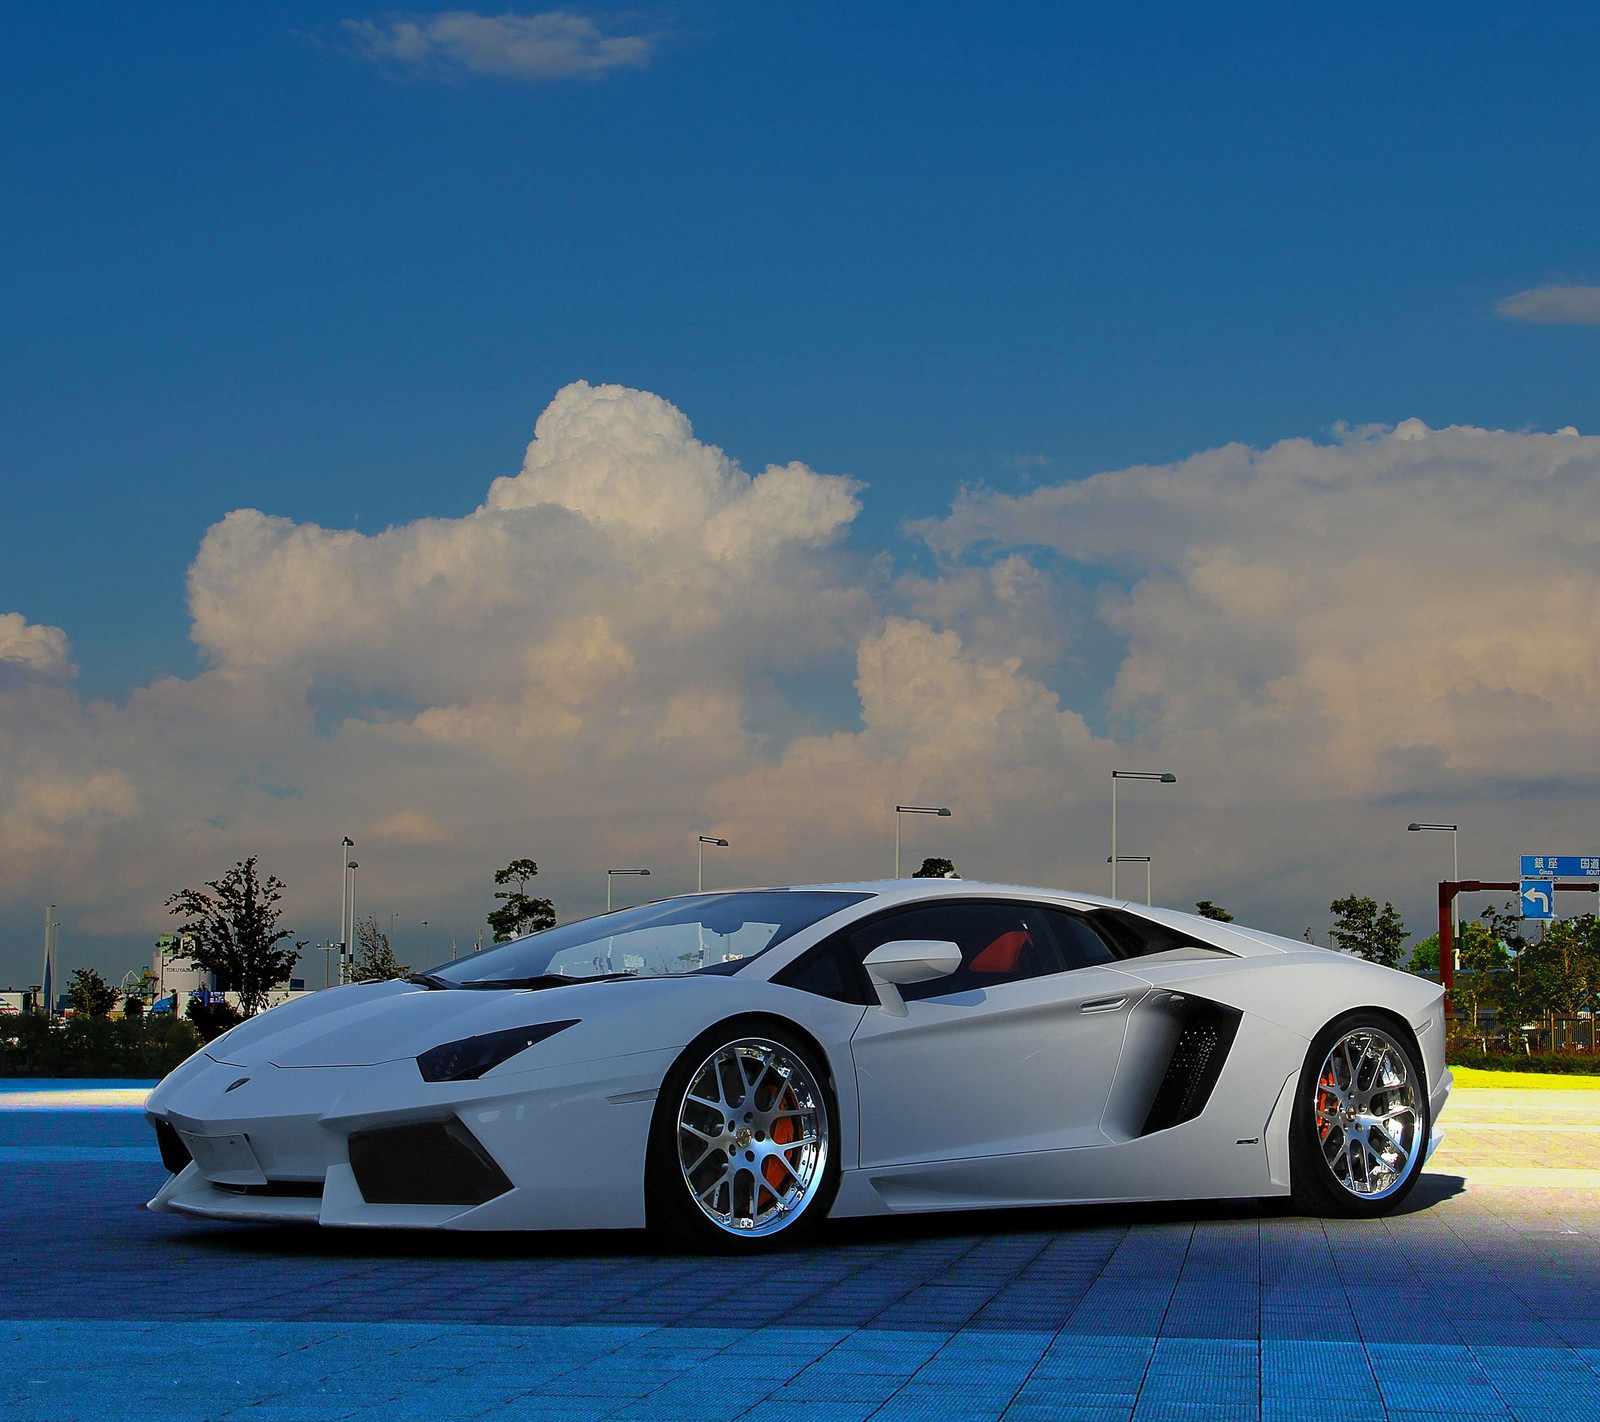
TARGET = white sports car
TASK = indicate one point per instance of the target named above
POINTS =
(730, 1068)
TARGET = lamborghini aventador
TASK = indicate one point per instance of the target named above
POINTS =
(732, 1068)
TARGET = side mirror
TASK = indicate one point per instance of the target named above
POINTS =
(910, 960)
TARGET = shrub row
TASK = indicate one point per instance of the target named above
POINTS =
(32, 1045)
(1561, 1063)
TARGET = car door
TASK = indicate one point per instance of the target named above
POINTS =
(1013, 1054)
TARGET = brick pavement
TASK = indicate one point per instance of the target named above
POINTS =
(1477, 1301)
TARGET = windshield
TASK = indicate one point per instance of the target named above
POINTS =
(700, 933)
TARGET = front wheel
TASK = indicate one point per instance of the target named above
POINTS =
(743, 1146)
(1359, 1133)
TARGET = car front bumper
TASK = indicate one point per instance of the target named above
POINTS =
(565, 1144)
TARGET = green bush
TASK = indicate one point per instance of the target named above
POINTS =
(1561, 1063)
(212, 1019)
(32, 1044)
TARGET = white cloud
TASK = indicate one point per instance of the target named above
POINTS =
(1553, 306)
(620, 649)
(1405, 590)
(557, 44)
(29, 651)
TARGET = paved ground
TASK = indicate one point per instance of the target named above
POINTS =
(1482, 1300)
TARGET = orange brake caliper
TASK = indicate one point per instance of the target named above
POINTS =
(782, 1133)
(1324, 1126)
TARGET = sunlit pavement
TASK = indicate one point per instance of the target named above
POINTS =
(1482, 1300)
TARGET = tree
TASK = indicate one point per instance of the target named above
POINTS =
(212, 1017)
(936, 869)
(519, 914)
(1572, 966)
(1360, 928)
(1480, 956)
(1425, 955)
(90, 995)
(235, 932)
(1206, 909)
(375, 961)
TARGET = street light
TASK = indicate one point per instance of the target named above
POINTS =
(326, 948)
(700, 873)
(622, 874)
(424, 940)
(1455, 874)
(348, 957)
(346, 844)
(899, 810)
(1163, 777)
(1138, 859)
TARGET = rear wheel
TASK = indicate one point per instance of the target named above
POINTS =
(743, 1148)
(1360, 1127)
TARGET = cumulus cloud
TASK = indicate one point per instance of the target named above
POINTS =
(633, 640)
(556, 44)
(1553, 306)
(29, 651)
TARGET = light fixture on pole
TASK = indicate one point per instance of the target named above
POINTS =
(622, 874)
(1163, 777)
(700, 872)
(346, 844)
(327, 948)
(348, 963)
(1455, 875)
(424, 940)
(940, 810)
(1138, 859)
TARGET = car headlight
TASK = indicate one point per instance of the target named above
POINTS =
(469, 1058)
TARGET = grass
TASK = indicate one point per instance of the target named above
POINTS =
(1469, 1077)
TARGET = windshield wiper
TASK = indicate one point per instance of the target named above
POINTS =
(430, 980)
(540, 980)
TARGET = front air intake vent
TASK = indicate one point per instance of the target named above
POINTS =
(1205, 1035)
(434, 1163)
(174, 1153)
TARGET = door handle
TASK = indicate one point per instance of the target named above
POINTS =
(1102, 1004)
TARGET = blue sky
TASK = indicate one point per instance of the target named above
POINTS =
(916, 244)
(261, 256)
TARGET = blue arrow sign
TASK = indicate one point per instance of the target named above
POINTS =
(1538, 899)
(1561, 866)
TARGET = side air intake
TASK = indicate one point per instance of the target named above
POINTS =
(1205, 1035)
(174, 1153)
(434, 1163)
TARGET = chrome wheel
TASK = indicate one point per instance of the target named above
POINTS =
(753, 1137)
(1368, 1115)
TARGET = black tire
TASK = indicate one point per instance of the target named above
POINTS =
(1341, 1161)
(768, 1166)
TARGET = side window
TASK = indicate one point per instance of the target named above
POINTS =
(1081, 945)
(999, 942)
(827, 971)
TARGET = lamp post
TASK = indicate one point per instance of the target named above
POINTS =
(424, 940)
(1455, 874)
(622, 874)
(348, 957)
(1138, 859)
(700, 872)
(326, 948)
(940, 810)
(1162, 777)
(346, 844)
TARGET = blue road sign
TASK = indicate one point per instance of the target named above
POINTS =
(1538, 899)
(1561, 866)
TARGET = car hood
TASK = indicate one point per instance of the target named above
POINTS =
(368, 1023)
